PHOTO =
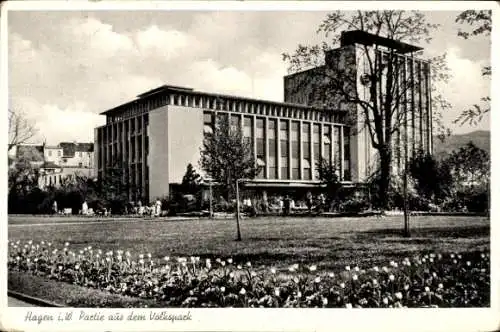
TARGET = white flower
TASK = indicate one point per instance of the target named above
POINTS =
(299, 294)
(385, 300)
(331, 274)
(223, 289)
(375, 268)
(434, 274)
(374, 281)
(81, 252)
(141, 261)
(218, 260)
(127, 253)
(440, 286)
(27, 260)
(149, 255)
(35, 260)
(231, 274)
(243, 291)
(317, 280)
(356, 269)
(342, 285)
(249, 264)
(18, 258)
(348, 268)
(77, 267)
(166, 259)
(325, 301)
(108, 259)
(60, 267)
(230, 260)
(391, 277)
(273, 270)
(423, 260)
(452, 255)
(223, 263)
(66, 244)
(277, 292)
(253, 274)
(312, 268)
(482, 256)
(406, 287)
(239, 267)
(291, 269)
(354, 277)
(141, 256)
(385, 269)
(296, 280)
(427, 289)
(454, 261)
(468, 263)
(398, 295)
(431, 259)
(459, 256)
(348, 306)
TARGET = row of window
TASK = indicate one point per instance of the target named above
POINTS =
(289, 145)
(217, 103)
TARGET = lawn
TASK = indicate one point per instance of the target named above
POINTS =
(331, 243)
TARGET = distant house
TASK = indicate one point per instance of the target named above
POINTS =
(60, 162)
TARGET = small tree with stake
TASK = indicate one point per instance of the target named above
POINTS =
(327, 174)
(227, 158)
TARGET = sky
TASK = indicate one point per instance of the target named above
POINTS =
(66, 67)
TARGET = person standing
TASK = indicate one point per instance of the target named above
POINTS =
(158, 207)
(54, 207)
(85, 208)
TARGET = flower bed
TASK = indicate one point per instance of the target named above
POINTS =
(430, 280)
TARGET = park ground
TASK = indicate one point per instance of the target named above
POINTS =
(331, 243)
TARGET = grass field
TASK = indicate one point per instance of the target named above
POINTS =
(327, 242)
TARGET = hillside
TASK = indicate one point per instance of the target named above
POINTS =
(480, 138)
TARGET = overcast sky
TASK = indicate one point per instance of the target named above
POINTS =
(66, 67)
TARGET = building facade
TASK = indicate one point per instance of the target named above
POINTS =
(59, 163)
(155, 136)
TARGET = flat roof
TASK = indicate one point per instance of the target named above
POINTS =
(366, 38)
(172, 88)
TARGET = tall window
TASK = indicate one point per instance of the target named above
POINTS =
(208, 123)
(284, 149)
(273, 149)
(260, 141)
(316, 144)
(247, 131)
(347, 163)
(327, 142)
(235, 122)
(295, 151)
(337, 158)
(306, 150)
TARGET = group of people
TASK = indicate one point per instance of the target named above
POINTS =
(154, 210)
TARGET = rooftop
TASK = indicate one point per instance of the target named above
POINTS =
(365, 38)
(173, 88)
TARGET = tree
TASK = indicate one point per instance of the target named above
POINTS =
(190, 181)
(386, 96)
(21, 130)
(226, 157)
(480, 22)
(23, 176)
(114, 187)
(470, 167)
(327, 174)
(432, 178)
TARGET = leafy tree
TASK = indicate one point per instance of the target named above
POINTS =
(470, 166)
(432, 178)
(381, 106)
(21, 130)
(190, 181)
(327, 174)
(226, 157)
(480, 22)
(114, 187)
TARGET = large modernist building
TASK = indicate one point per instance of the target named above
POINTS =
(158, 134)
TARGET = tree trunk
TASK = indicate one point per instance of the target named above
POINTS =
(385, 176)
